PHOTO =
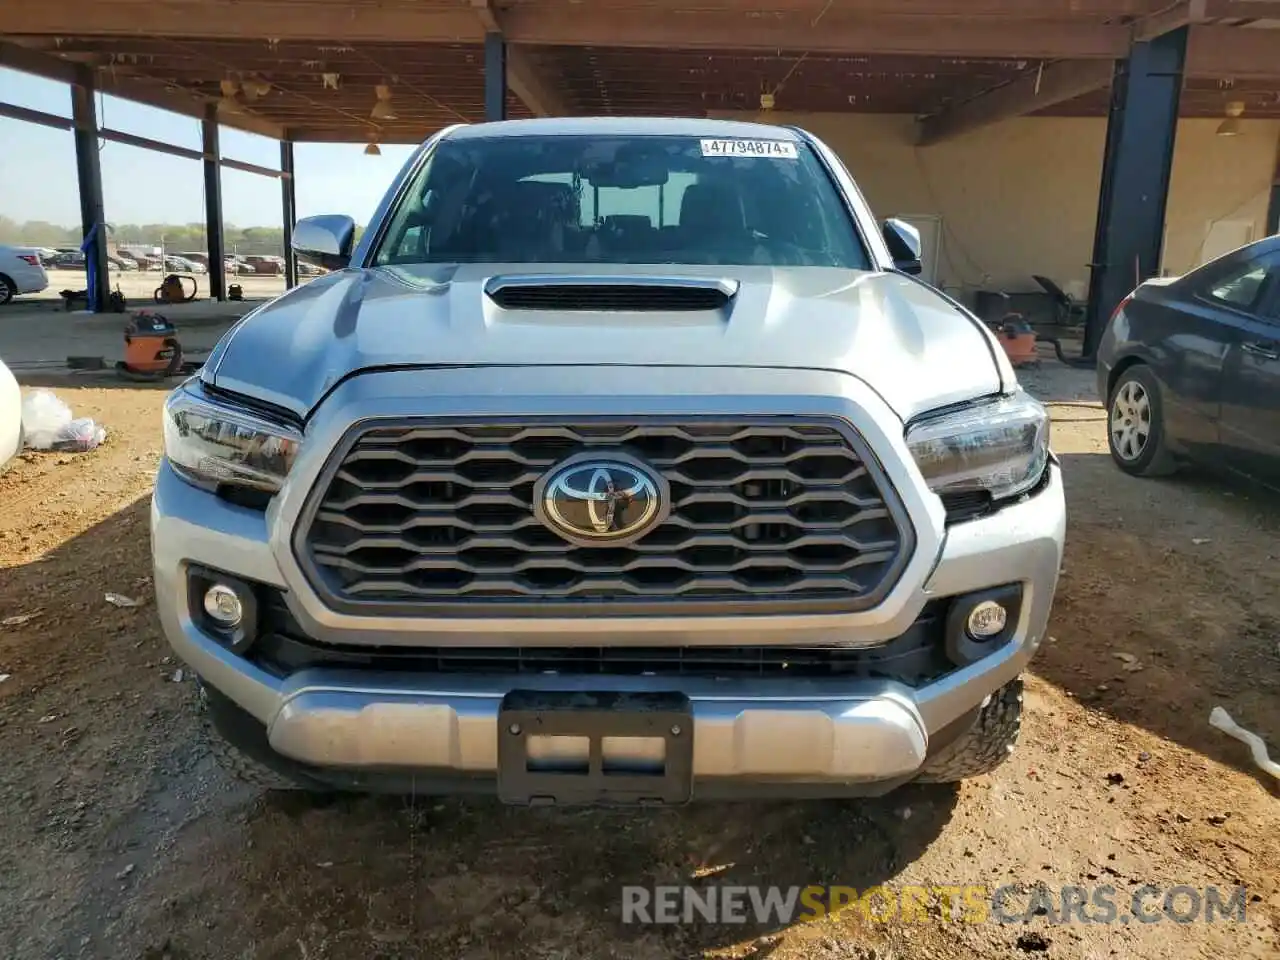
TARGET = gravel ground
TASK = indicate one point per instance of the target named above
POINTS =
(119, 838)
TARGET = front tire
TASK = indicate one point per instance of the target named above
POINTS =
(236, 740)
(1135, 425)
(985, 745)
(8, 290)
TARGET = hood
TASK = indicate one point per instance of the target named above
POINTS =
(906, 341)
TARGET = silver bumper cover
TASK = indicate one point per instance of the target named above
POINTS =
(411, 724)
(806, 730)
(793, 731)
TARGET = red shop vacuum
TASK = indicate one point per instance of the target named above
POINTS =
(151, 349)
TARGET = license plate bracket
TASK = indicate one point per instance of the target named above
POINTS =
(528, 714)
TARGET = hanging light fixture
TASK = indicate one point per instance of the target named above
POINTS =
(255, 89)
(1231, 127)
(229, 103)
(382, 107)
(372, 150)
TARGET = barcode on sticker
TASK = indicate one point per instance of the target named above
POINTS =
(771, 149)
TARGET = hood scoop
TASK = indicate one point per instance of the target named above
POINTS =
(621, 294)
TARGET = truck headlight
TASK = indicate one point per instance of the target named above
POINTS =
(1000, 447)
(211, 443)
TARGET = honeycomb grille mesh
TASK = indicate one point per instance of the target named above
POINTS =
(762, 512)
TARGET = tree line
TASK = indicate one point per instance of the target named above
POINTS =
(174, 236)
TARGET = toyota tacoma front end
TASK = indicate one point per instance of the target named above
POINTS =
(623, 461)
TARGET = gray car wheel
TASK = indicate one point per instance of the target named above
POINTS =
(1135, 424)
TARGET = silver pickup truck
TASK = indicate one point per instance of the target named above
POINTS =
(621, 461)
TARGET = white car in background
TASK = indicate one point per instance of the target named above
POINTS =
(20, 272)
(10, 416)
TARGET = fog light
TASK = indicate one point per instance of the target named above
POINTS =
(986, 620)
(223, 606)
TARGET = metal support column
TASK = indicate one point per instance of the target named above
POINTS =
(89, 176)
(1141, 130)
(288, 212)
(495, 77)
(213, 204)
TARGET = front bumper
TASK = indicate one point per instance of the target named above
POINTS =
(820, 732)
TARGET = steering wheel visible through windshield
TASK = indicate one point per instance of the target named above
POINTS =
(625, 200)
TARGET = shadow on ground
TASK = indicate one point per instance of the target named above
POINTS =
(1169, 605)
(123, 839)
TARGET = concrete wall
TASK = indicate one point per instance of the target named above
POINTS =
(1020, 197)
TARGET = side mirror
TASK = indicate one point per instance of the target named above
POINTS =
(903, 241)
(325, 241)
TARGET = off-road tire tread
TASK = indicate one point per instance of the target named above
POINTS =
(244, 768)
(985, 745)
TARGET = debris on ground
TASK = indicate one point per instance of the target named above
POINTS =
(1200, 541)
(5, 676)
(48, 424)
(19, 619)
(1115, 779)
(177, 676)
(1221, 720)
(1033, 942)
(120, 600)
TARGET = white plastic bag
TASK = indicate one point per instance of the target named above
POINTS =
(47, 424)
(44, 417)
(80, 434)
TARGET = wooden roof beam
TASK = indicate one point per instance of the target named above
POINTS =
(1036, 89)
(834, 33)
(1185, 13)
(533, 23)
(1231, 53)
(118, 83)
(263, 20)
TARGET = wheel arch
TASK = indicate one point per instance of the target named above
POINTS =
(1126, 363)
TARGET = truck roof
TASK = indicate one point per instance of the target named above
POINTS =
(624, 127)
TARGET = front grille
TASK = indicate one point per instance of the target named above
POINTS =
(914, 658)
(609, 297)
(438, 515)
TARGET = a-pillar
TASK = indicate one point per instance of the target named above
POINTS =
(213, 204)
(1136, 167)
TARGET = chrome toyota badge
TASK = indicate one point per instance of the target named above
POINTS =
(597, 500)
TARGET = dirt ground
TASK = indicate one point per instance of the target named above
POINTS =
(120, 838)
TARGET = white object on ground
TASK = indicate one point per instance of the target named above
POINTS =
(5, 676)
(120, 600)
(1221, 720)
(48, 424)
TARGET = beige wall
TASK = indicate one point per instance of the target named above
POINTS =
(1020, 197)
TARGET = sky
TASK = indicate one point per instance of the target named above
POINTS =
(38, 167)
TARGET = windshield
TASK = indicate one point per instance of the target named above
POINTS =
(632, 200)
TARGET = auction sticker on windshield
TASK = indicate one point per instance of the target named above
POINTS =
(772, 149)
